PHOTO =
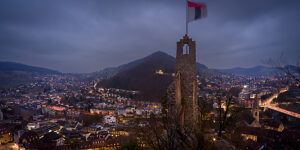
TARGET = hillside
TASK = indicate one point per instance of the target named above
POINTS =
(257, 70)
(140, 75)
(260, 70)
(12, 66)
(13, 74)
(111, 71)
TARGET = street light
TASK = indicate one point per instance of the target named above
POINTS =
(214, 139)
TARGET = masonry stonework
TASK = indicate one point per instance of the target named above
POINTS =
(183, 91)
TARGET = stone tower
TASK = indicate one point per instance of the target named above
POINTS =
(255, 111)
(183, 101)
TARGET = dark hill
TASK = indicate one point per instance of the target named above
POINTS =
(140, 75)
(12, 66)
(110, 72)
(257, 70)
(14, 74)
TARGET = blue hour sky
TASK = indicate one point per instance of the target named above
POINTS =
(88, 35)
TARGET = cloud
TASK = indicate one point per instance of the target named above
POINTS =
(86, 36)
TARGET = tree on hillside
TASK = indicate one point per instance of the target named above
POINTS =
(223, 115)
(165, 133)
(227, 113)
(205, 107)
(290, 71)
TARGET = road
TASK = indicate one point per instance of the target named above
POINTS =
(267, 103)
(284, 111)
(9, 146)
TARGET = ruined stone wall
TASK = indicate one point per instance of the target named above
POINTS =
(185, 84)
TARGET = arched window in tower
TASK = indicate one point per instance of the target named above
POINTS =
(186, 49)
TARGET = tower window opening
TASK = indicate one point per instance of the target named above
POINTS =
(186, 49)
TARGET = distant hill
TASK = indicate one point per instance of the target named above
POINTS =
(140, 75)
(13, 74)
(110, 72)
(257, 70)
(12, 66)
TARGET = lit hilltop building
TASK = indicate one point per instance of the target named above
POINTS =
(183, 91)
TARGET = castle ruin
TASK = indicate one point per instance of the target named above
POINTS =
(183, 91)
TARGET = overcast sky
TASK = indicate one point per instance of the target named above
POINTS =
(89, 35)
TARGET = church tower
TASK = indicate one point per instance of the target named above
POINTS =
(255, 111)
(255, 114)
(185, 96)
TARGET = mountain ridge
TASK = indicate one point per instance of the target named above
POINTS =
(257, 70)
(13, 74)
(111, 71)
(14, 66)
(142, 76)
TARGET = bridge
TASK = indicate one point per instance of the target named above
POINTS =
(296, 115)
(267, 104)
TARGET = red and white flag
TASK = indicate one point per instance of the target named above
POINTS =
(196, 11)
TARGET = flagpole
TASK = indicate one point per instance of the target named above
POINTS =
(186, 25)
(187, 15)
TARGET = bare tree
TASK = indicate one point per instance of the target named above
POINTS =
(204, 107)
(228, 114)
(290, 71)
(166, 133)
(223, 116)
